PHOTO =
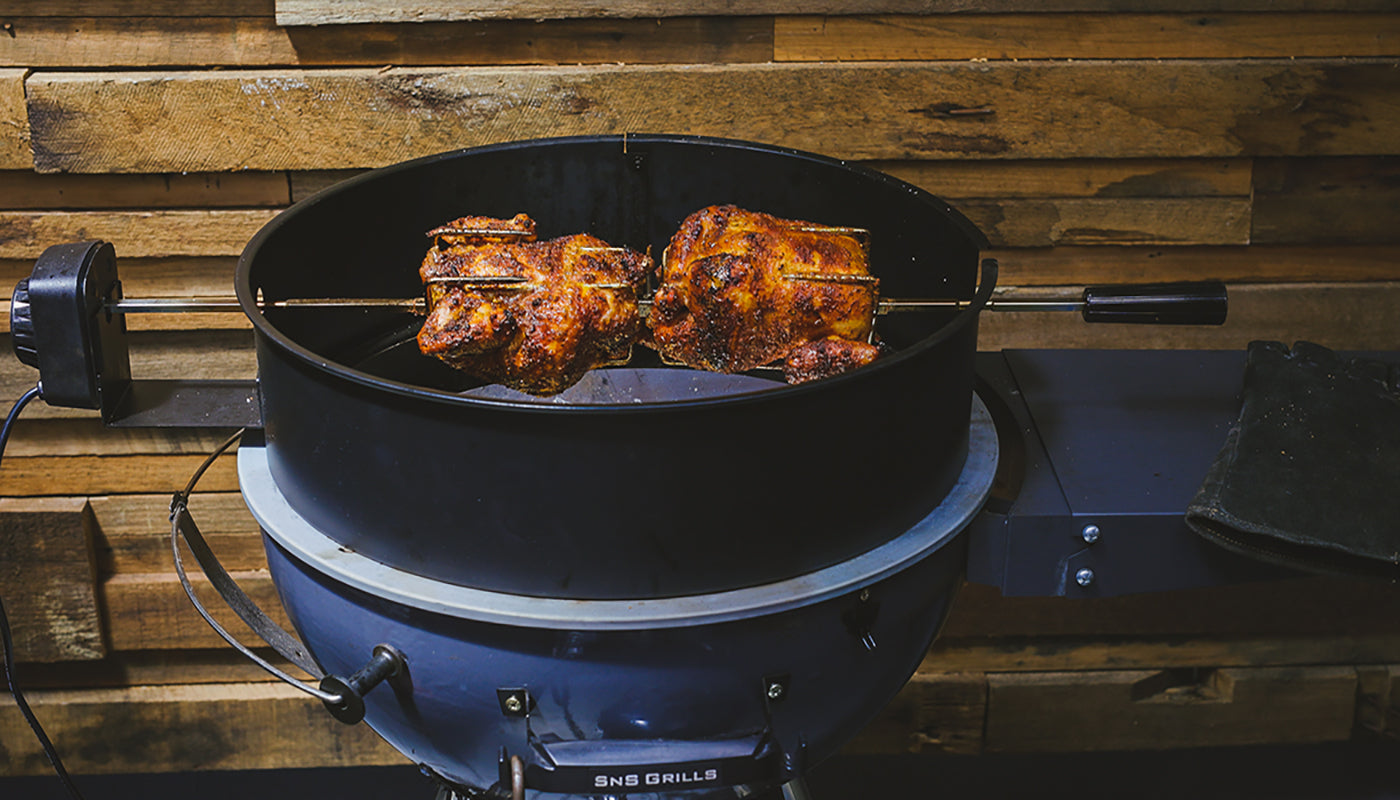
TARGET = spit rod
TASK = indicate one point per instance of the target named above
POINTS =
(176, 305)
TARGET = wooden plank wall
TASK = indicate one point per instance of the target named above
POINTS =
(1253, 142)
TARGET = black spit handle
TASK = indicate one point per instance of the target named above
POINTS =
(1183, 303)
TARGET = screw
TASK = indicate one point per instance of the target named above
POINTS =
(1084, 577)
(514, 704)
(1090, 534)
(775, 691)
(864, 596)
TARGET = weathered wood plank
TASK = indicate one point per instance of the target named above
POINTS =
(1147, 710)
(1118, 221)
(133, 532)
(1061, 654)
(307, 183)
(1300, 607)
(82, 437)
(273, 120)
(168, 322)
(194, 276)
(186, 276)
(154, 668)
(141, 234)
(37, 476)
(1051, 266)
(184, 728)
(339, 12)
(151, 611)
(940, 713)
(1342, 201)
(66, 42)
(1377, 709)
(1126, 36)
(46, 569)
(192, 355)
(1103, 178)
(1353, 316)
(23, 189)
(14, 121)
(138, 8)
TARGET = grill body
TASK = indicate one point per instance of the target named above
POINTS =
(709, 696)
(378, 447)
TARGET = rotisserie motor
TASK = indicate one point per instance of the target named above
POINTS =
(741, 289)
(533, 316)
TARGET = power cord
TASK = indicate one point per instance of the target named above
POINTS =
(9, 644)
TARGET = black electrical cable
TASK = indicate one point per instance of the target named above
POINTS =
(9, 644)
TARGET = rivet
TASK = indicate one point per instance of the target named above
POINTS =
(1090, 534)
(1084, 576)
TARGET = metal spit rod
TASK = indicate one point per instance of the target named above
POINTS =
(416, 305)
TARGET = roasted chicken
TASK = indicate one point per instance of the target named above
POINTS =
(533, 316)
(740, 289)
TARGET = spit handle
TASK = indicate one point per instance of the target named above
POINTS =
(1184, 303)
(343, 697)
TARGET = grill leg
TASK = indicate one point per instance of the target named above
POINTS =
(796, 789)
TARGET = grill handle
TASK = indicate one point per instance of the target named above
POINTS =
(343, 697)
(1184, 303)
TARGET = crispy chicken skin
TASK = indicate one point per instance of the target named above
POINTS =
(539, 336)
(724, 303)
(824, 358)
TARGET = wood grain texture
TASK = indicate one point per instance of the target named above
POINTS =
(15, 152)
(193, 276)
(67, 475)
(1101, 178)
(46, 569)
(184, 728)
(155, 668)
(934, 713)
(140, 234)
(23, 189)
(272, 120)
(339, 12)
(1350, 316)
(1339, 201)
(1117, 221)
(1062, 654)
(1119, 710)
(152, 612)
(178, 276)
(1302, 607)
(141, 41)
(77, 437)
(1376, 709)
(133, 532)
(193, 355)
(1120, 36)
(1253, 264)
(138, 8)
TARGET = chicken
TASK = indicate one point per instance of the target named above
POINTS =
(732, 294)
(572, 306)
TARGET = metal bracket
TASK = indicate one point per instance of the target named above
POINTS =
(80, 348)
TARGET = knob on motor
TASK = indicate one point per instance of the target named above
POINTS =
(22, 326)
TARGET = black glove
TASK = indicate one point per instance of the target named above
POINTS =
(1309, 476)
